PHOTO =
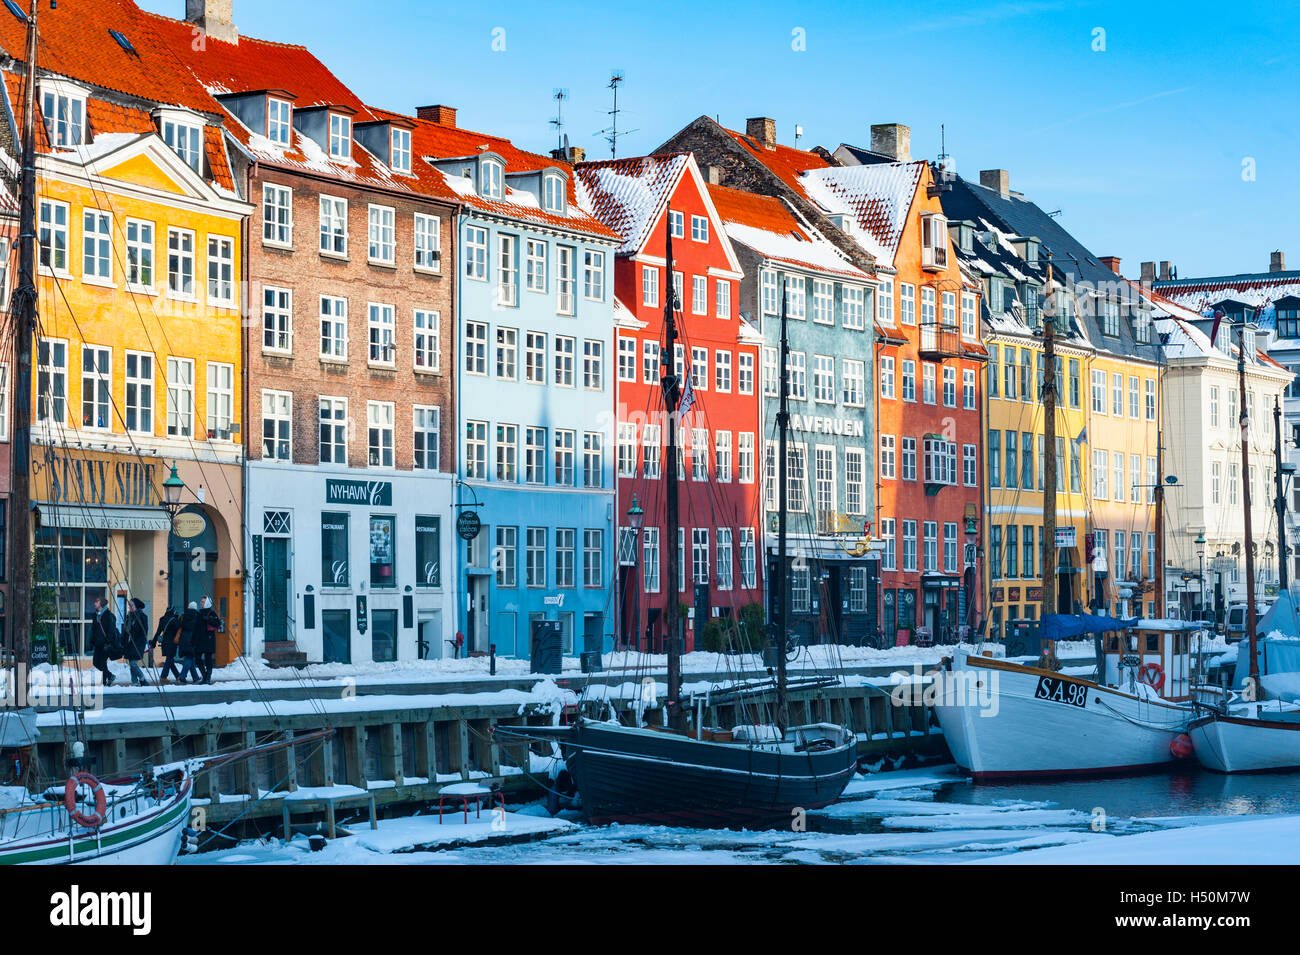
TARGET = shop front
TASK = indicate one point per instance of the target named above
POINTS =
(350, 569)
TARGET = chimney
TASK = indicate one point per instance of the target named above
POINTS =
(1148, 273)
(442, 115)
(570, 154)
(1166, 272)
(893, 140)
(1277, 262)
(999, 180)
(713, 175)
(1111, 262)
(216, 18)
(762, 130)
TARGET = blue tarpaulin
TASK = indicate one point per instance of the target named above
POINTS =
(1062, 626)
(1276, 654)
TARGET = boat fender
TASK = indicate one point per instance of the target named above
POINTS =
(88, 820)
(1181, 746)
(1153, 675)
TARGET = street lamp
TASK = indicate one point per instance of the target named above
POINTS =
(172, 488)
(1200, 553)
(636, 520)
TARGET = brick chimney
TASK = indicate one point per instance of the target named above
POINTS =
(216, 18)
(1166, 272)
(713, 175)
(1277, 262)
(762, 130)
(999, 180)
(570, 154)
(442, 115)
(1148, 273)
(893, 140)
(1111, 262)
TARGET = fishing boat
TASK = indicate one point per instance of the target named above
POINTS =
(683, 774)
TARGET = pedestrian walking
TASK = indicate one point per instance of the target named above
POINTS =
(105, 641)
(186, 642)
(166, 639)
(135, 639)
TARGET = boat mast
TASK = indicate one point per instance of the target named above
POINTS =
(23, 309)
(783, 577)
(1049, 452)
(672, 393)
(1245, 499)
(1279, 501)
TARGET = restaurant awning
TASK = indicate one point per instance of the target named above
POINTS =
(91, 517)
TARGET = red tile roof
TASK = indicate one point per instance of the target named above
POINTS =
(786, 162)
(628, 194)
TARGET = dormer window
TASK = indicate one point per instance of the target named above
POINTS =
(490, 171)
(64, 108)
(553, 195)
(279, 120)
(400, 150)
(340, 137)
(185, 138)
(934, 241)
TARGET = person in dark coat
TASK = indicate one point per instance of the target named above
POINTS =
(207, 640)
(104, 639)
(186, 638)
(166, 638)
(135, 638)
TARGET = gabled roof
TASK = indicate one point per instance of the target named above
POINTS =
(877, 197)
(629, 195)
(1184, 338)
(786, 162)
(775, 232)
(1257, 289)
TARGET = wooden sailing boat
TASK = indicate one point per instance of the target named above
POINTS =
(1253, 736)
(693, 775)
(1006, 720)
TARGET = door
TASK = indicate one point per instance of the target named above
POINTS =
(276, 584)
(336, 627)
(430, 644)
(476, 624)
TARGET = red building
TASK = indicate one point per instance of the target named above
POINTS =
(720, 517)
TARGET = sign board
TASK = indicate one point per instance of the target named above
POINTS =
(188, 524)
(86, 477)
(468, 525)
(372, 493)
(362, 618)
(1066, 536)
(1223, 565)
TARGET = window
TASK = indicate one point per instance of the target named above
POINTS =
(1098, 392)
(334, 226)
(1135, 478)
(968, 389)
(508, 270)
(593, 364)
(1110, 319)
(279, 120)
(626, 449)
(593, 459)
(1216, 478)
(824, 487)
(564, 553)
(769, 303)
(535, 266)
(797, 371)
(950, 548)
(968, 327)
(535, 455)
(907, 302)
(745, 457)
(333, 549)
(96, 385)
(771, 379)
(852, 299)
(1074, 383)
(277, 319)
(699, 555)
(333, 430)
(721, 369)
(381, 322)
(796, 477)
(1150, 393)
(824, 379)
(699, 294)
(564, 298)
(927, 383)
(853, 377)
(553, 194)
(340, 142)
(476, 334)
(909, 459)
(854, 480)
(885, 302)
(934, 241)
(593, 275)
(277, 425)
(399, 150)
(1117, 395)
(428, 551)
(535, 557)
(427, 421)
(564, 458)
(941, 461)
(180, 262)
(949, 387)
(277, 215)
(476, 450)
(139, 255)
(65, 116)
(97, 245)
(54, 236)
(1027, 551)
(745, 375)
(491, 173)
(221, 401)
(380, 418)
(725, 559)
(221, 271)
(139, 392)
(428, 341)
(507, 556)
(593, 550)
(722, 456)
(888, 469)
(699, 229)
(535, 358)
(564, 350)
(52, 380)
(886, 376)
(382, 247)
(649, 286)
(1100, 489)
(507, 453)
(909, 545)
(476, 253)
(724, 298)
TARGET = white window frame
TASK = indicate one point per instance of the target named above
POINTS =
(381, 247)
(427, 350)
(277, 204)
(333, 226)
(334, 328)
(427, 245)
(277, 320)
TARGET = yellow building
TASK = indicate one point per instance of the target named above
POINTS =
(138, 368)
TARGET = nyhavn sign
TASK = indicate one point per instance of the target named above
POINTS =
(372, 493)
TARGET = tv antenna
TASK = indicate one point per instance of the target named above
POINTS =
(559, 95)
(612, 132)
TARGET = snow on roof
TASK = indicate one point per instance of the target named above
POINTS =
(877, 197)
(628, 194)
(775, 232)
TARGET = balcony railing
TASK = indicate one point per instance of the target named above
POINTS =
(939, 340)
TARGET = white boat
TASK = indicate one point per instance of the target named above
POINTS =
(142, 824)
(1255, 738)
(1005, 720)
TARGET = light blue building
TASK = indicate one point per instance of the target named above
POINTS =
(535, 399)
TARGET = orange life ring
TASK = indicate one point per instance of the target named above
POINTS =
(1153, 675)
(93, 820)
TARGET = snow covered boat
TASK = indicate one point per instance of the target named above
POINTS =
(123, 822)
(1004, 720)
(1257, 738)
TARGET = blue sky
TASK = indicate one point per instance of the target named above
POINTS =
(1176, 141)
